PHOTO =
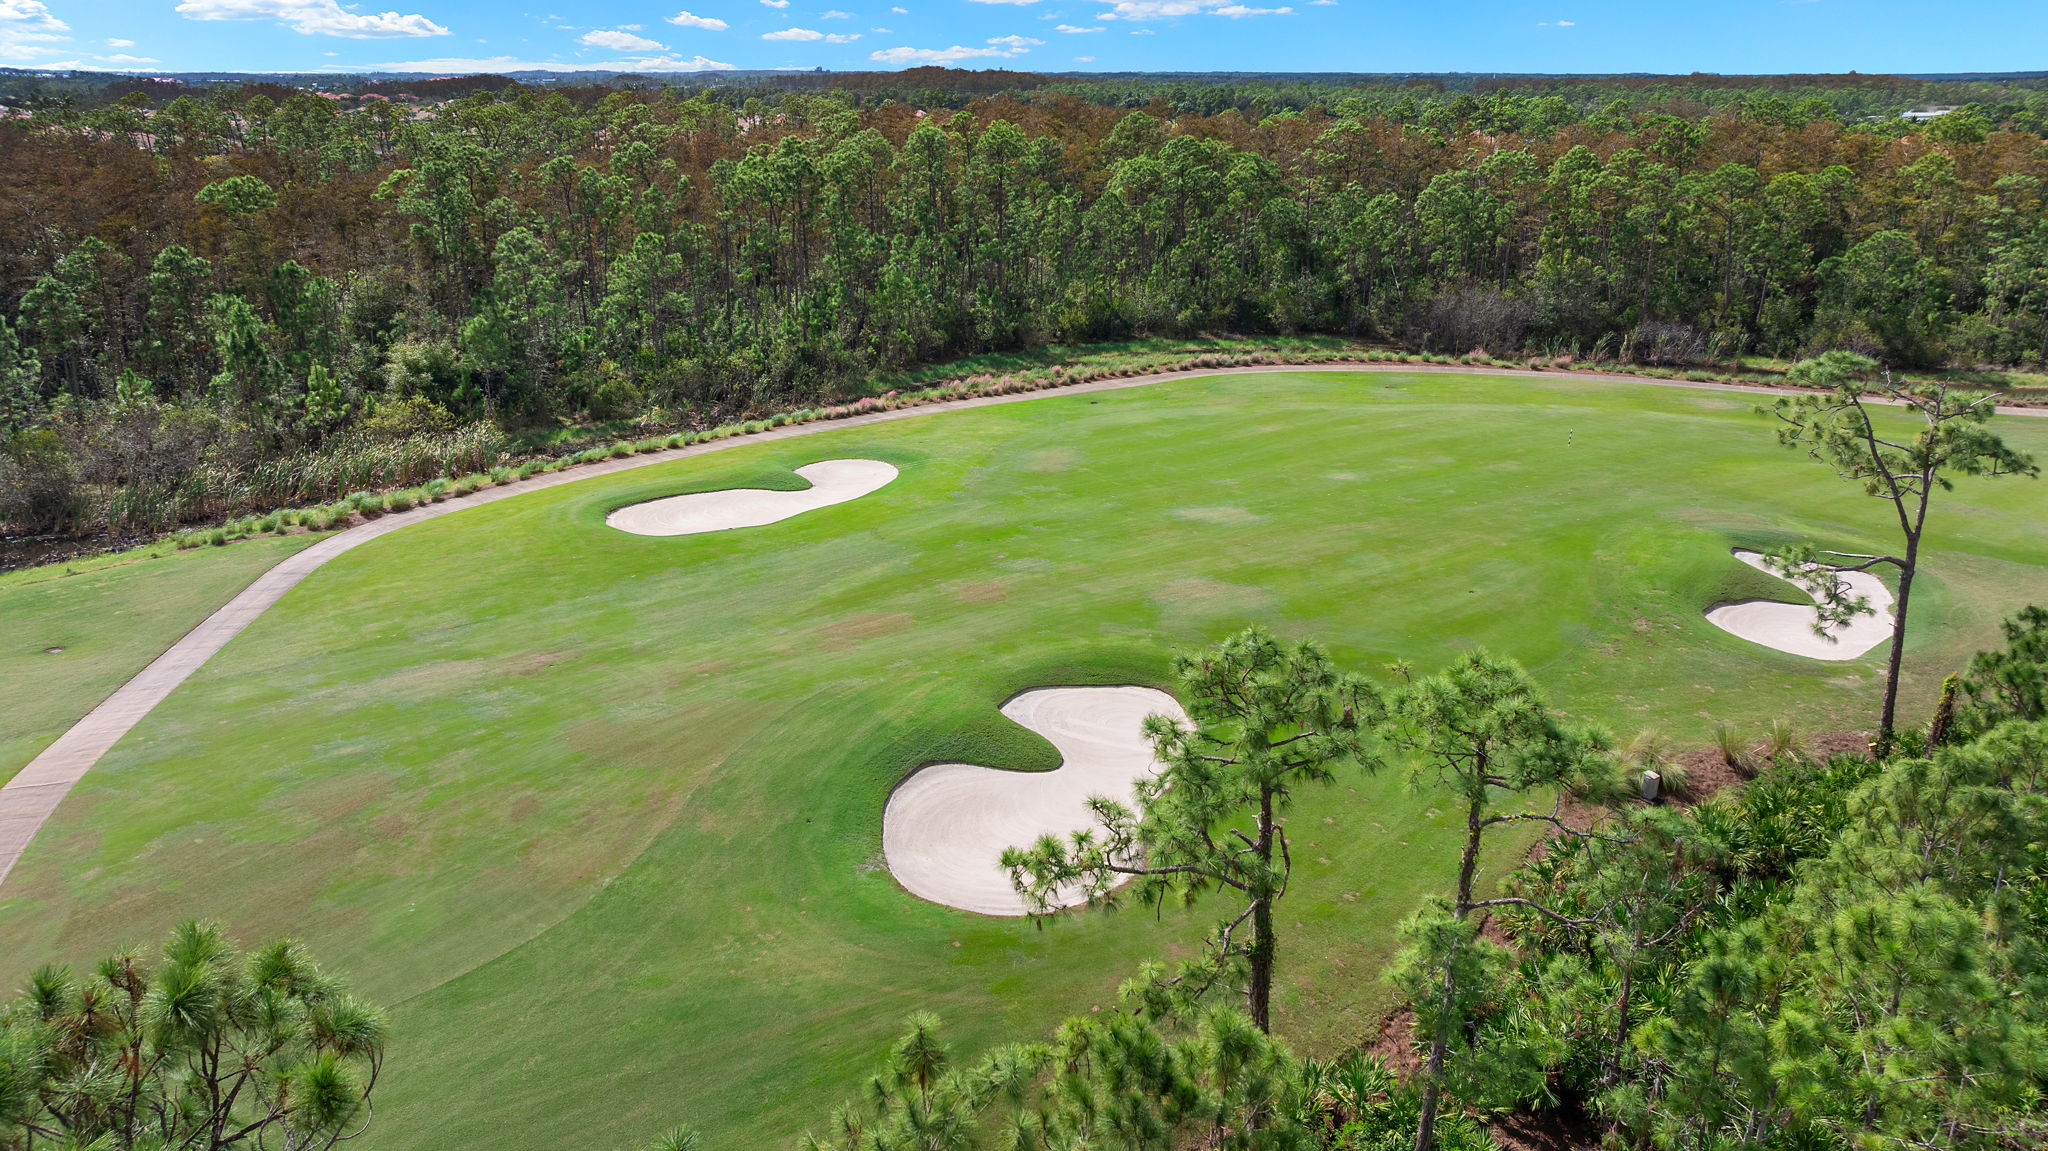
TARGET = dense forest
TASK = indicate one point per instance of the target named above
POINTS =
(195, 282)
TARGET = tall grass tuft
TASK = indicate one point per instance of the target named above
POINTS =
(1782, 740)
(1734, 751)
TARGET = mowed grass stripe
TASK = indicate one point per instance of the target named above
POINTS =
(602, 808)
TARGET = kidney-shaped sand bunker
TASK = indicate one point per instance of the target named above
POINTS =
(946, 827)
(1788, 627)
(832, 482)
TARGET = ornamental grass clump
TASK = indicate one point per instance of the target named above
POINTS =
(1734, 751)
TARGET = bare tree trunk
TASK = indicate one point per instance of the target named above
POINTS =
(1888, 720)
(1468, 864)
(1432, 1090)
(1439, 1046)
(1260, 995)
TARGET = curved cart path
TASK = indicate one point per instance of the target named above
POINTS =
(33, 795)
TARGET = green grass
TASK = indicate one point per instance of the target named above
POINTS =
(600, 814)
(111, 615)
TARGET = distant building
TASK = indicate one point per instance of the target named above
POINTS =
(1923, 114)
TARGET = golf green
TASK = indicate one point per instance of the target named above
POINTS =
(593, 808)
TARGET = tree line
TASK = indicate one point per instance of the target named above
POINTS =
(191, 286)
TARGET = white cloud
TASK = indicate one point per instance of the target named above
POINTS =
(1322, 3)
(1006, 1)
(125, 58)
(1084, 59)
(809, 34)
(1141, 32)
(500, 64)
(708, 23)
(1557, 24)
(120, 43)
(879, 31)
(1168, 9)
(1000, 46)
(622, 42)
(776, 3)
(30, 20)
(313, 17)
(1070, 30)
(25, 25)
(900, 11)
(836, 14)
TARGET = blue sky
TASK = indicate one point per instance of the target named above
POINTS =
(1043, 35)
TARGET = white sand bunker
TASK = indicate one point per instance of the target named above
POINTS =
(1788, 627)
(946, 827)
(832, 482)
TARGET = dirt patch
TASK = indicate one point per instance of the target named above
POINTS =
(1394, 1043)
(392, 826)
(1566, 1127)
(848, 633)
(1707, 771)
(990, 591)
(1829, 743)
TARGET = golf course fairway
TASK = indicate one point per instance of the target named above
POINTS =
(582, 806)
